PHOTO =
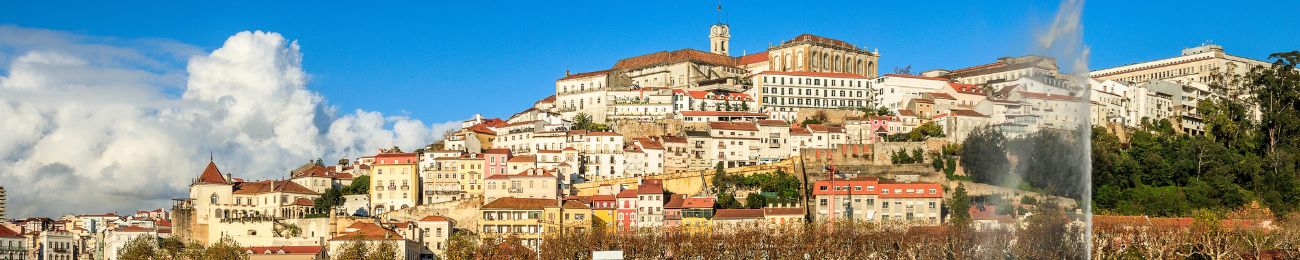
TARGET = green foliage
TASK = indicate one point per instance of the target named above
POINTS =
(744, 106)
(384, 250)
(950, 168)
(936, 161)
(331, 198)
(582, 121)
(755, 201)
(925, 131)
(464, 245)
(360, 185)
(140, 247)
(984, 156)
(728, 201)
(959, 206)
(353, 250)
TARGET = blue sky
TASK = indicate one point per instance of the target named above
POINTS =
(445, 61)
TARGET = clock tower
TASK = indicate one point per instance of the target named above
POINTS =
(719, 39)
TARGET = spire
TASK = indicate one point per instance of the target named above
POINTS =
(719, 11)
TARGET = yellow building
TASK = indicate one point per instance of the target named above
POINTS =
(575, 217)
(394, 182)
(518, 217)
(470, 174)
(812, 53)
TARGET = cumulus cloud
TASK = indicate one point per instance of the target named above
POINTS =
(95, 124)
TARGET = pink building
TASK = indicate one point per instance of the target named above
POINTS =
(625, 215)
(494, 161)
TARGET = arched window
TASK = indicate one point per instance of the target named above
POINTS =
(787, 63)
(799, 60)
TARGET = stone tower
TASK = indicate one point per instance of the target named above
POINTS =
(719, 39)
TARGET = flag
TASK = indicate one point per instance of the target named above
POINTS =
(719, 7)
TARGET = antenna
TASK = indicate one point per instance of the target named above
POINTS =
(719, 11)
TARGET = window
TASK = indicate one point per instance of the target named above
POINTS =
(214, 198)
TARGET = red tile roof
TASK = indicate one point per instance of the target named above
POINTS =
(782, 211)
(9, 233)
(825, 128)
(586, 74)
(482, 129)
(497, 151)
(303, 202)
(701, 94)
(548, 99)
(753, 58)
(519, 203)
(726, 214)
(799, 131)
(211, 175)
(683, 55)
(772, 122)
(733, 126)
(368, 231)
(397, 158)
(905, 112)
(628, 193)
(261, 187)
(434, 219)
(938, 95)
(675, 201)
(649, 143)
(698, 202)
(650, 187)
(966, 112)
(966, 88)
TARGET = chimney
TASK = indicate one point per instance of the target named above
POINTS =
(566, 73)
(229, 178)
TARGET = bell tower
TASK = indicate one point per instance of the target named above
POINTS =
(719, 39)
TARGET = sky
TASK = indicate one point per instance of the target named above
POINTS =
(125, 102)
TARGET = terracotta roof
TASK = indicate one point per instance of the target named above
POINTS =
(674, 139)
(628, 193)
(649, 143)
(211, 175)
(368, 231)
(990, 212)
(530, 172)
(825, 128)
(726, 214)
(575, 205)
(914, 77)
(519, 203)
(782, 211)
(732, 126)
(772, 122)
(288, 250)
(569, 149)
(162, 223)
(814, 74)
(966, 88)
(397, 158)
(905, 112)
(434, 219)
(9, 233)
(482, 129)
(698, 202)
(523, 158)
(753, 58)
(799, 131)
(548, 99)
(603, 198)
(966, 112)
(497, 151)
(261, 187)
(303, 202)
(675, 201)
(650, 187)
(586, 74)
(683, 55)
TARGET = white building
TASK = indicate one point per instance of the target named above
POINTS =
(893, 91)
(782, 94)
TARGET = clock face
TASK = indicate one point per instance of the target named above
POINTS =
(719, 30)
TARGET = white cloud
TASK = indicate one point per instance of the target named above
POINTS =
(96, 124)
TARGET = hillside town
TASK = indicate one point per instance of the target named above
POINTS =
(810, 130)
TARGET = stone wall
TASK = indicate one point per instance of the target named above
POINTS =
(690, 182)
(637, 129)
(463, 212)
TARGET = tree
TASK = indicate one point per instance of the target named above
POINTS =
(755, 201)
(360, 185)
(331, 198)
(925, 131)
(140, 247)
(936, 161)
(720, 178)
(462, 245)
(728, 105)
(226, 248)
(582, 121)
(744, 106)
(984, 156)
(960, 204)
(172, 247)
(353, 250)
(384, 250)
